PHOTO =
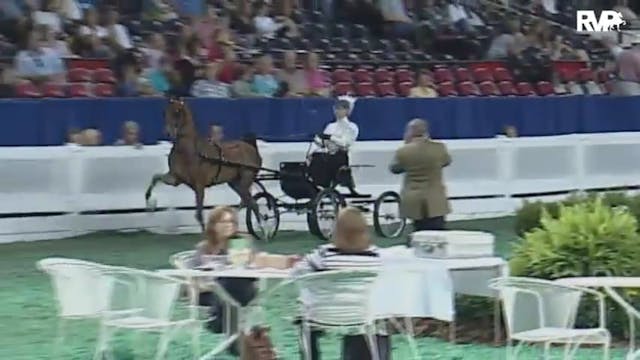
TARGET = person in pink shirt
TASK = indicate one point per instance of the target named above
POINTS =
(207, 26)
(315, 82)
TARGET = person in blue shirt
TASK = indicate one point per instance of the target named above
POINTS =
(264, 83)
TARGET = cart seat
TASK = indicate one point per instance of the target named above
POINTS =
(295, 181)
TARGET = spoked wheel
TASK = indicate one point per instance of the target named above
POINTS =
(267, 227)
(387, 220)
(257, 187)
(323, 213)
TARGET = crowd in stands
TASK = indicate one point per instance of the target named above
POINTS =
(286, 48)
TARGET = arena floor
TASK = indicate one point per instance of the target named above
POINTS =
(28, 313)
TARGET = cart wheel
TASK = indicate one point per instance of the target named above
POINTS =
(323, 212)
(257, 188)
(387, 220)
(267, 227)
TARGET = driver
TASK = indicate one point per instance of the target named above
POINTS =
(333, 152)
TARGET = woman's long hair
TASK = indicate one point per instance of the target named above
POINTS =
(351, 233)
(215, 243)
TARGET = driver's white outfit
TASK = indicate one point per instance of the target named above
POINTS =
(333, 153)
(343, 133)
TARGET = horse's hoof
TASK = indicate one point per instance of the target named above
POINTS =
(152, 204)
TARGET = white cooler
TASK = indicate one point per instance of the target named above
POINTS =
(452, 244)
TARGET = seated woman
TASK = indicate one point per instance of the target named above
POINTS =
(351, 248)
(221, 230)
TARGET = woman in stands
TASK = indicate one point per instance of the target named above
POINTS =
(351, 248)
(221, 230)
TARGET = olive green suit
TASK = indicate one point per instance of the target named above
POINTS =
(424, 194)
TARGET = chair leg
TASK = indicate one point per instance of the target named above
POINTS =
(59, 341)
(306, 340)
(195, 341)
(605, 351)
(372, 341)
(547, 348)
(163, 344)
(102, 349)
(410, 333)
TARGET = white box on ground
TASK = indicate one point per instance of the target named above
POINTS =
(452, 244)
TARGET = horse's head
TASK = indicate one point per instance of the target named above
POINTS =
(177, 116)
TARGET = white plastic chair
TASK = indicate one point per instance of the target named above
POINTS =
(143, 301)
(182, 260)
(80, 289)
(633, 315)
(338, 300)
(541, 311)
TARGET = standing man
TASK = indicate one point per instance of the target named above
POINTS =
(424, 195)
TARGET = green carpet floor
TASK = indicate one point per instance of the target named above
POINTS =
(28, 313)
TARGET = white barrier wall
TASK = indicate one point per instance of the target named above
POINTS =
(487, 177)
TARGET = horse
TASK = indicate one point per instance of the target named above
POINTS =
(199, 164)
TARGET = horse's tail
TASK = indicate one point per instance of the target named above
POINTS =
(251, 139)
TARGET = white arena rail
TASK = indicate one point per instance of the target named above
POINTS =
(54, 192)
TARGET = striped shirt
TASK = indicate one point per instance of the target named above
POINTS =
(328, 257)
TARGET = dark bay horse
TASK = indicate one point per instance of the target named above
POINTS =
(195, 162)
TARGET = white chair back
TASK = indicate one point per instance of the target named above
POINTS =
(338, 298)
(81, 290)
(183, 259)
(531, 304)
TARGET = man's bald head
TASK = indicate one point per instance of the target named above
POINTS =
(418, 127)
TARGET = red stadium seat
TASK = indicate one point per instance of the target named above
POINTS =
(467, 88)
(603, 75)
(525, 89)
(489, 88)
(53, 90)
(343, 88)
(443, 75)
(103, 90)
(545, 88)
(567, 75)
(404, 75)
(482, 74)
(79, 90)
(507, 88)
(79, 75)
(104, 76)
(502, 74)
(463, 74)
(28, 90)
(404, 88)
(585, 75)
(341, 75)
(447, 89)
(383, 75)
(386, 89)
(362, 76)
(365, 89)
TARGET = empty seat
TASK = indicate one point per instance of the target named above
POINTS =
(79, 90)
(340, 45)
(28, 90)
(545, 88)
(365, 89)
(502, 74)
(360, 45)
(585, 75)
(54, 90)
(341, 75)
(404, 75)
(104, 76)
(482, 74)
(443, 75)
(467, 88)
(382, 75)
(463, 74)
(386, 89)
(525, 89)
(567, 75)
(362, 75)
(507, 88)
(404, 88)
(489, 88)
(343, 88)
(79, 75)
(446, 89)
(103, 90)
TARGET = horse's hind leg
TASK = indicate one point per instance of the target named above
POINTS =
(167, 179)
(199, 190)
(242, 186)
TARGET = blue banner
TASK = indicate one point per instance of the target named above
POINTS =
(46, 122)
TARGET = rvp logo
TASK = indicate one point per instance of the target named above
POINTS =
(609, 21)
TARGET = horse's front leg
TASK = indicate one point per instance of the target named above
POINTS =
(167, 179)
(199, 190)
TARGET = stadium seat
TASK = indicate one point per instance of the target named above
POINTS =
(365, 89)
(567, 75)
(104, 76)
(359, 31)
(343, 88)
(463, 74)
(489, 88)
(603, 75)
(53, 90)
(79, 75)
(443, 75)
(404, 75)
(404, 88)
(507, 88)
(502, 74)
(79, 90)
(361, 45)
(386, 89)
(28, 90)
(340, 45)
(585, 75)
(103, 90)
(467, 88)
(447, 89)
(383, 75)
(482, 74)
(341, 75)
(545, 88)
(362, 75)
(525, 89)
(340, 31)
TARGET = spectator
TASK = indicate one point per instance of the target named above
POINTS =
(459, 17)
(91, 137)
(504, 45)
(118, 34)
(155, 52)
(74, 136)
(221, 40)
(264, 83)
(206, 28)
(158, 79)
(561, 49)
(48, 15)
(424, 87)
(315, 84)
(128, 84)
(216, 134)
(290, 74)
(91, 26)
(90, 39)
(397, 21)
(15, 19)
(183, 77)
(628, 65)
(189, 8)
(6, 85)
(37, 63)
(158, 10)
(130, 135)
(510, 131)
(229, 68)
(283, 91)
(265, 24)
(52, 42)
(242, 21)
(242, 88)
(211, 87)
